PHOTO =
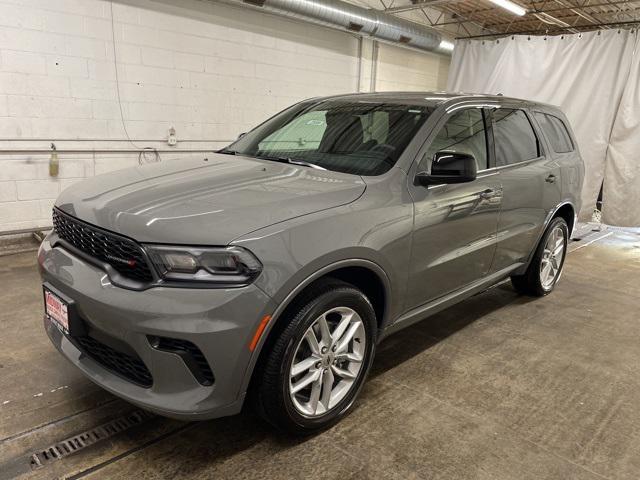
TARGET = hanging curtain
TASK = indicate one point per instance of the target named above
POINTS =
(621, 196)
(585, 74)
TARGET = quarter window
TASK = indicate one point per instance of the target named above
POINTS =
(515, 140)
(463, 132)
(556, 131)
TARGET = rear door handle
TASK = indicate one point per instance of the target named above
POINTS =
(550, 179)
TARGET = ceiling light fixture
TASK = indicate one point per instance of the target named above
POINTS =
(512, 7)
(446, 45)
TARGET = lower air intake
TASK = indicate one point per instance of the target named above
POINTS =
(190, 354)
(122, 364)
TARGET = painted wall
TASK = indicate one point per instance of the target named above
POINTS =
(402, 69)
(208, 70)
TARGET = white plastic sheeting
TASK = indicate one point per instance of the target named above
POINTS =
(622, 166)
(594, 78)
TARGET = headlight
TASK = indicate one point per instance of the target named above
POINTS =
(230, 265)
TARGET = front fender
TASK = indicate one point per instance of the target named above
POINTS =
(374, 233)
(275, 316)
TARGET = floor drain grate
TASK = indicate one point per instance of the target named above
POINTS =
(76, 443)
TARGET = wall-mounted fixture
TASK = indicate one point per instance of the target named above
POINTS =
(54, 164)
(171, 139)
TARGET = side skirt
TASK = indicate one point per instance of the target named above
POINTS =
(423, 311)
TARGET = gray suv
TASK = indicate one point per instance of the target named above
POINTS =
(271, 269)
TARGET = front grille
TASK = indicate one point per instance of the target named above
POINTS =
(191, 355)
(123, 254)
(127, 366)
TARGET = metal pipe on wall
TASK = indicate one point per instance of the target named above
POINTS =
(89, 151)
(355, 19)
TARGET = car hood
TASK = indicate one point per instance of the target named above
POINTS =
(205, 201)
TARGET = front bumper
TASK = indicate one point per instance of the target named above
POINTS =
(220, 322)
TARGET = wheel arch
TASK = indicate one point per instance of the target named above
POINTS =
(368, 276)
(566, 210)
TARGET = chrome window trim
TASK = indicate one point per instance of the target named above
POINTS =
(511, 165)
(489, 172)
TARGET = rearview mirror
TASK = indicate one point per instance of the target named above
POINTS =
(449, 167)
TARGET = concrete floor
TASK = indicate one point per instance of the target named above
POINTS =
(498, 387)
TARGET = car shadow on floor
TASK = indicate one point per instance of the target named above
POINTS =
(200, 448)
(423, 335)
(395, 350)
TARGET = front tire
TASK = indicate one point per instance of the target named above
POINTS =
(318, 363)
(545, 268)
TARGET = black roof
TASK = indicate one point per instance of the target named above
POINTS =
(429, 98)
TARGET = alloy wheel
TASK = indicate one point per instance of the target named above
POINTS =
(327, 361)
(552, 257)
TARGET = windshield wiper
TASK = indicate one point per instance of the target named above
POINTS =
(227, 151)
(304, 163)
(293, 161)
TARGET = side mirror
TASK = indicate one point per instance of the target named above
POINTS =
(449, 167)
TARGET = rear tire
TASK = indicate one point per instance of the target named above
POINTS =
(319, 361)
(545, 268)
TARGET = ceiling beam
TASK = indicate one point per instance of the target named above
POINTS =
(575, 9)
(629, 13)
(581, 7)
(420, 4)
(544, 11)
(472, 21)
(557, 30)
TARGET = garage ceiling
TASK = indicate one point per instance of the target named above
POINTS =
(482, 18)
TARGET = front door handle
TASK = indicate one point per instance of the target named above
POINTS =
(488, 193)
(550, 179)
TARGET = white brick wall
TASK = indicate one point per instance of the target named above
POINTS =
(402, 69)
(205, 68)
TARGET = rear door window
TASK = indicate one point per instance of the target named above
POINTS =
(514, 137)
(556, 131)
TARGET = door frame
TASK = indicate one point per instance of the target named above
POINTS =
(413, 187)
(542, 142)
(444, 116)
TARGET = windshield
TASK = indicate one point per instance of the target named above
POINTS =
(362, 138)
